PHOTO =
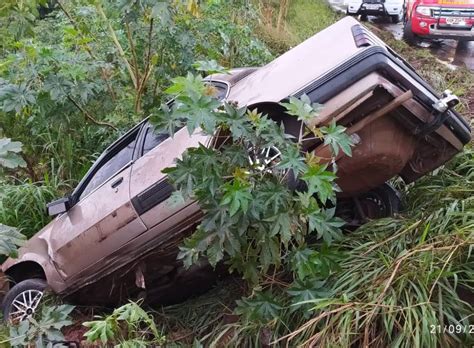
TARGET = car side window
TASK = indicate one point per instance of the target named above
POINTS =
(111, 167)
(152, 139)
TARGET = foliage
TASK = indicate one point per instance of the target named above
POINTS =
(10, 239)
(22, 203)
(80, 73)
(262, 198)
(128, 326)
(428, 251)
(71, 82)
(44, 331)
(302, 19)
(403, 280)
(251, 215)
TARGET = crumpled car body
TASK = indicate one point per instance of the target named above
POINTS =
(117, 235)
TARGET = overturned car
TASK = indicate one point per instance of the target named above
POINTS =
(115, 232)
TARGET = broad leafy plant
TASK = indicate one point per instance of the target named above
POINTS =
(263, 196)
(10, 238)
(74, 75)
(127, 326)
(10, 154)
(43, 331)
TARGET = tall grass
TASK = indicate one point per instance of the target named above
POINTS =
(23, 203)
(403, 282)
(308, 17)
(303, 19)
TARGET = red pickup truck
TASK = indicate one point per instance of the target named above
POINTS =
(439, 19)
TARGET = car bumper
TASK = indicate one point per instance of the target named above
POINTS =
(380, 10)
(430, 28)
(451, 34)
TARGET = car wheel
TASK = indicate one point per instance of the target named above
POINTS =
(21, 302)
(383, 201)
(396, 19)
(408, 35)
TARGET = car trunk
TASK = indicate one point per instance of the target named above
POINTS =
(365, 86)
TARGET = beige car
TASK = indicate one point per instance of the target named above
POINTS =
(116, 234)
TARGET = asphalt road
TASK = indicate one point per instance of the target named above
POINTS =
(449, 51)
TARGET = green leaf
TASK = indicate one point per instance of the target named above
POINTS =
(302, 264)
(335, 136)
(302, 108)
(191, 85)
(303, 293)
(291, 159)
(16, 97)
(210, 67)
(9, 154)
(161, 12)
(261, 308)
(326, 225)
(215, 253)
(270, 253)
(10, 239)
(100, 329)
(237, 196)
(320, 181)
(176, 199)
(235, 121)
(58, 87)
(281, 225)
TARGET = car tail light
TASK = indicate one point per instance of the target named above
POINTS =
(424, 11)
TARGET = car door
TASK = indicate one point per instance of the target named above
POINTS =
(149, 187)
(103, 219)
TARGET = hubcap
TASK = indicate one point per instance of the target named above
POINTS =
(24, 305)
(265, 160)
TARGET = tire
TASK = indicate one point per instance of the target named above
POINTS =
(381, 202)
(30, 287)
(396, 19)
(408, 35)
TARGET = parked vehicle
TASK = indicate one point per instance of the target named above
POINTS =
(379, 8)
(439, 19)
(116, 234)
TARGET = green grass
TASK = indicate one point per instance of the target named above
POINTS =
(307, 17)
(23, 203)
(304, 19)
(399, 276)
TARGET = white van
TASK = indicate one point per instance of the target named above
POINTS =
(384, 8)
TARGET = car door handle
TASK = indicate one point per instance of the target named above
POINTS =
(117, 182)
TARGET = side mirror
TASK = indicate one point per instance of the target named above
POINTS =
(59, 206)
